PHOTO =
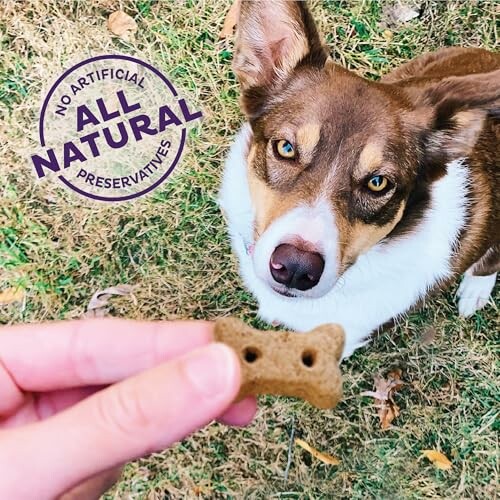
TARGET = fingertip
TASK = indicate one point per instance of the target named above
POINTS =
(233, 366)
(241, 413)
(214, 372)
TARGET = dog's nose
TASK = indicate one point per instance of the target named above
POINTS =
(296, 268)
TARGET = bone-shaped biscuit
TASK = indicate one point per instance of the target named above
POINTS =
(303, 365)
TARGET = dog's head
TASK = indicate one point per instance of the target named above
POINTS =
(334, 159)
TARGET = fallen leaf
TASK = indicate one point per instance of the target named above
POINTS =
(10, 295)
(440, 460)
(404, 13)
(385, 388)
(97, 307)
(230, 20)
(122, 25)
(324, 457)
(387, 414)
(394, 15)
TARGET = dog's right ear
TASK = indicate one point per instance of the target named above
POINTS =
(272, 39)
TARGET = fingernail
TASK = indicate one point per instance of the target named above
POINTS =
(211, 369)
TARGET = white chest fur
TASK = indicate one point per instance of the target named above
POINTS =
(383, 283)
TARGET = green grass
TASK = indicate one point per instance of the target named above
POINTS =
(172, 245)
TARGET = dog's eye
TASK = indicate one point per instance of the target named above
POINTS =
(377, 183)
(284, 149)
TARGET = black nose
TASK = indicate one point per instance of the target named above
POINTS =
(296, 268)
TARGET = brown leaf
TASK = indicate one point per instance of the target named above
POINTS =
(440, 460)
(230, 20)
(97, 307)
(394, 379)
(324, 457)
(385, 388)
(10, 295)
(122, 25)
(387, 413)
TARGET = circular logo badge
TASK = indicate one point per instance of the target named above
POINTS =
(112, 128)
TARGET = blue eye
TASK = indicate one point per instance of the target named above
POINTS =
(377, 183)
(285, 149)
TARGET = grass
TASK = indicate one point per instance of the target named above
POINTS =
(172, 245)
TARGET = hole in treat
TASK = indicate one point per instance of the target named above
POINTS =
(308, 358)
(251, 354)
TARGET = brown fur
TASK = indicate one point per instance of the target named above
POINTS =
(358, 238)
(443, 63)
(489, 263)
(430, 111)
(307, 139)
(370, 159)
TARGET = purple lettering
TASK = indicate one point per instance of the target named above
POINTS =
(164, 113)
(90, 140)
(127, 108)
(84, 116)
(106, 115)
(140, 123)
(71, 154)
(188, 116)
(40, 163)
(123, 136)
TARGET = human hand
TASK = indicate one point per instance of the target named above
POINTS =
(80, 398)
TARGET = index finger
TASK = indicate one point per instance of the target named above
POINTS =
(50, 356)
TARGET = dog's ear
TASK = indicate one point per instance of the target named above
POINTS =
(455, 110)
(272, 39)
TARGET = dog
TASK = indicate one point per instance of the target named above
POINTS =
(348, 200)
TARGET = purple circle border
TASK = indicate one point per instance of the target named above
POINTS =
(43, 110)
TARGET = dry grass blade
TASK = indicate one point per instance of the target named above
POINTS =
(323, 457)
(290, 450)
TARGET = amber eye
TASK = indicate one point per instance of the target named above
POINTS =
(284, 149)
(377, 183)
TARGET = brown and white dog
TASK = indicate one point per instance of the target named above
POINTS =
(349, 200)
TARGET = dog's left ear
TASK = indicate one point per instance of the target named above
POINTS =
(456, 110)
(272, 39)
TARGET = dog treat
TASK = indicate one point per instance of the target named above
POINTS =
(304, 365)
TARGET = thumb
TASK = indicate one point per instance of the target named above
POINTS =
(142, 414)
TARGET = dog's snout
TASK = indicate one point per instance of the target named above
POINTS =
(296, 268)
